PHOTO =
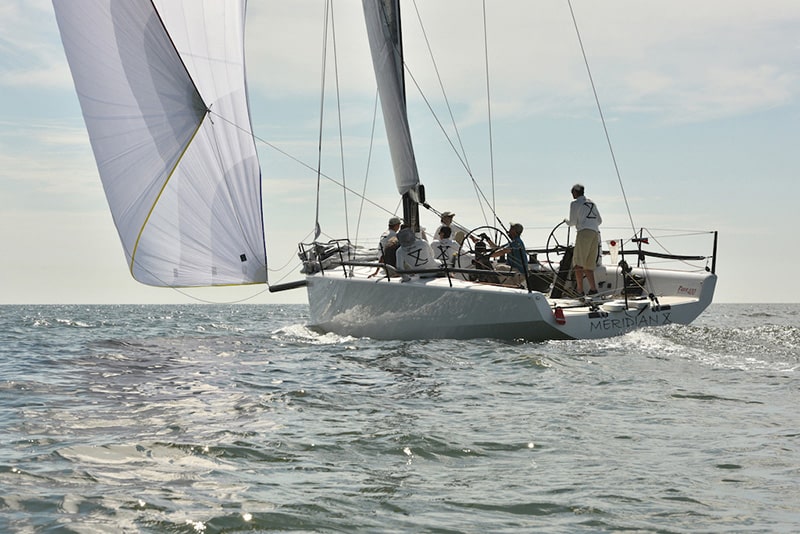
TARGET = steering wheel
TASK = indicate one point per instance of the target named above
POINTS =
(476, 251)
(557, 247)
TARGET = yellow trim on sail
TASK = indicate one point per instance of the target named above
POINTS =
(230, 284)
(158, 197)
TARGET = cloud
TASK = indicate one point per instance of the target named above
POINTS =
(29, 46)
(683, 62)
(698, 62)
(47, 165)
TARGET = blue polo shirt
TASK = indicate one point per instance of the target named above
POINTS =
(518, 257)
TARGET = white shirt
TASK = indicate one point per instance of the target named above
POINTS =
(454, 227)
(416, 257)
(584, 215)
(445, 250)
(386, 236)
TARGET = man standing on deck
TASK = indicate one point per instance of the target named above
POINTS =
(585, 217)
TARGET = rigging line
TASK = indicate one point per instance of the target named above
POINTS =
(369, 161)
(300, 162)
(339, 116)
(207, 301)
(298, 267)
(660, 244)
(645, 267)
(321, 115)
(463, 153)
(684, 233)
(292, 256)
(489, 108)
(285, 265)
(441, 86)
(152, 208)
(218, 156)
(602, 117)
(450, 141)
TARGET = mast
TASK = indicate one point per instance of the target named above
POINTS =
(386, 44)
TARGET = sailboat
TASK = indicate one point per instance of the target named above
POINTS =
(163, 91)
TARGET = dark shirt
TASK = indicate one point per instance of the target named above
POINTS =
(518, 257)
(390, 252)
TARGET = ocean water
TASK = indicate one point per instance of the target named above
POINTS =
(205, 419)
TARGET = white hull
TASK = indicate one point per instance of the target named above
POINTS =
(382, 308)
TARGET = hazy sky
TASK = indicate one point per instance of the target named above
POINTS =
(702, 102)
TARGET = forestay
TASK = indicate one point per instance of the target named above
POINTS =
(162, 90)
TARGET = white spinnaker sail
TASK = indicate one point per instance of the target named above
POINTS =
(183, 183)
(384, 41)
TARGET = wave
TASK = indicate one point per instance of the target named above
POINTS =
(302, 334)
(768, 347)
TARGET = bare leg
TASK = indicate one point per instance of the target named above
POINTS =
(590, 278)
(579, 272)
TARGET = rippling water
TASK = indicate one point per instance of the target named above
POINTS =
(236, 418)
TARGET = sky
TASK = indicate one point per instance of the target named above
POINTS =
(701, 102)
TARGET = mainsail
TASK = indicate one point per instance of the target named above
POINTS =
(383, 29)
(163, 94)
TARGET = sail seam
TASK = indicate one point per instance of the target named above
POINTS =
(304, 164)
(252, 136)
(185, 148)
(161, 192)
(177, 53)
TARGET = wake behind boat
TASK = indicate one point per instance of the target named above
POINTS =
(163, 92)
